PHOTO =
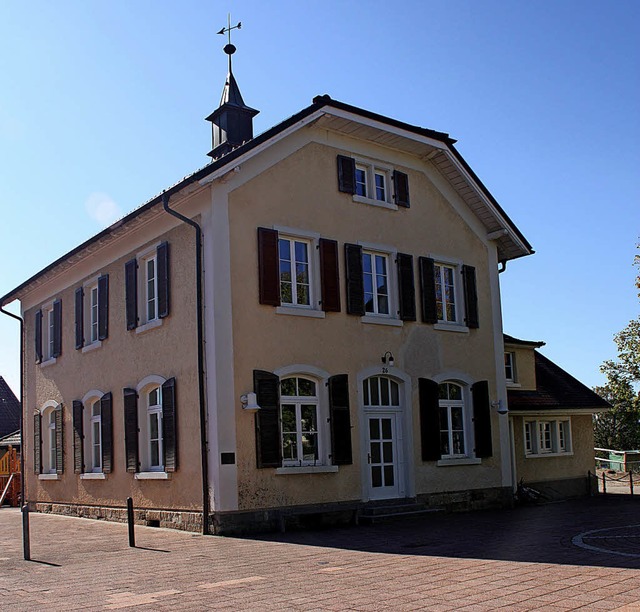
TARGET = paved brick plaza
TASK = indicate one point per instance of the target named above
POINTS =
(564, 556)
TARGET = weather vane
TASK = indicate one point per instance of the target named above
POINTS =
(230, 49)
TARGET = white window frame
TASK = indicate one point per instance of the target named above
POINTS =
(48, 440)
(145, 411)
(510, 364)
(391, 254)
(292, 240)
(298, 401)
(439, 268)
(90, 470)
(372, 168)
(535, 439)
(145, 323)
(95, 419)
(376, 295)
(47, 333)
(91, 315)
(464, 404)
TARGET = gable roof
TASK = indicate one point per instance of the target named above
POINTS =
(13, 439)
(556, 389)
(517, 342)
(438, 147)
(9, 409)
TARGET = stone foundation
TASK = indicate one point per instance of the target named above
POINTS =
(554, 490)
(173, 519)
(465, 501)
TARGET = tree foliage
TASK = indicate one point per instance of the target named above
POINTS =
(619, 428)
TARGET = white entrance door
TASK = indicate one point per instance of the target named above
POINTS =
(382, 456)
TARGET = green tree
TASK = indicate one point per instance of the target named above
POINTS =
(619, 428)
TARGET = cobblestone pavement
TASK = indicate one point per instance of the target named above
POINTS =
(565, 556)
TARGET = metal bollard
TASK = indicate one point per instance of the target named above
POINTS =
(132, 535)
(631, 482)
(26, 539)
(604, 482)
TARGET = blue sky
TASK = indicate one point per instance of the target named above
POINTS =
(103, 106)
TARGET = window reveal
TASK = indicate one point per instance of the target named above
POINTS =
(295, 278)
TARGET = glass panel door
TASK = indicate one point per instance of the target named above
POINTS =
(382, 456)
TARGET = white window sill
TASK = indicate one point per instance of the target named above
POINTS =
(460, 461)
(92, 347)
(372, 202)
(48, 362)
(300, 312)
(48, 476)
(93, 476)
(381, 320)
(152, 476)
(542, 455)
(452, 327)
(148, 326)
(308, 469)
(513, 385)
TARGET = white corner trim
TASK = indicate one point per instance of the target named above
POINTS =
(93, 476)
(92, 347)
(152, 379)
(300, 312)
(48, 476)
(48, 362)
(451, 327)
(94, 393)
(381, 321)
(461, 461)
(148, 326)
(152, 476)
(307, 469)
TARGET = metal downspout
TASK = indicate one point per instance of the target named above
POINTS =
(26, 548)
(201, 390)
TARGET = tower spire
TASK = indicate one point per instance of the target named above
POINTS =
(232, 121)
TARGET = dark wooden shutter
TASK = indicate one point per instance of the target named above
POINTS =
(428, 290)
(482, 418)
(401, 188)
(268, 267)
(162, 257)
(169, 426)
(355, 286)
(37, 443)
(103, 307)
(406, 287)
(429, 419)
(106, 421)
(346, 174)
(79, 303)
(78, 438)
(131, 293)
(340, 420)
(59, 440)
(57, 328)
(268, 447)
(131, 429)
(38, 336)
(470, 295)
(329, 275)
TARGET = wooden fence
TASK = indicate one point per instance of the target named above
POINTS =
(10, 478)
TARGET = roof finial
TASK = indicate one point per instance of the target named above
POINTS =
(229, 49)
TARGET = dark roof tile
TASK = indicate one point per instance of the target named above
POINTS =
(9, 410)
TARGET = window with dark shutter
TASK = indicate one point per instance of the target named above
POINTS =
(340, 420)
(59, 440)
(131, 293)
(103, 307)
(429, 419)
(470, 296)
(162, 256)
(401, 188)
(131, 429)
(78, 437)
(406, 287)
(268, 269)
(429, 309)
(482, 419)
(169, 425)
(346, 174)
(106, 420)
(355, 286)
(79, 303)
(38, 336)
(57, 328)
(37, 443)
(266, 386)
(329, 275)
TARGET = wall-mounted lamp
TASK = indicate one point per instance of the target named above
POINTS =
(387, 359)
(249, 402)
(499, 406)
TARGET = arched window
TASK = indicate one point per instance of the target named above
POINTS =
(380, 392)
(452, 420)
(48, 439)
(153, 422)
(299, 421)
(95, 436)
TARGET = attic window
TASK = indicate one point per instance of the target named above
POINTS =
(510, 367)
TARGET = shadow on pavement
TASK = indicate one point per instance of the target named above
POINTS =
(536, 534)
